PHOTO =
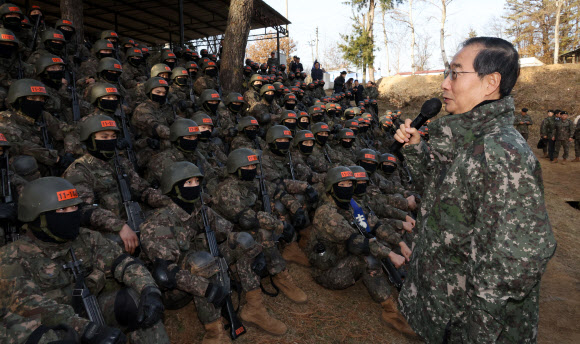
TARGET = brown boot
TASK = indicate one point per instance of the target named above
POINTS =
(545, 155)
(555, 160)
(576, 160)
(564, 161)
(255, 313)
(394, 319)
(287, 286)
(215, 333)
(293, 253)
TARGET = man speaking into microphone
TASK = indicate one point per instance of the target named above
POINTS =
(483, 233)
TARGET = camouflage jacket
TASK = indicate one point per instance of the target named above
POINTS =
(152, 120)
(483, 233)
(527, 121)
(371, 93)
(203, 83)
(547, 126)
(37, 269)
(251, 97)
(242, 141)
(564, 129)
(180, 101)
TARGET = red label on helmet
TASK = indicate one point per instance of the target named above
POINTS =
(354, 123)
(345, 174)
(211, 63)
(14, 9)
(170, 55)
(8, 37)
(58, 35)
(136, 50)
(116, 65)
(162, 82)
(316, 109)
(253, 121)
(66, 22)
(292, 97)
(108, 124)
(38, 89)
(131, 41)
(110, 45)
(360, 119)
(67, 194)
(57, 60)
(360, 175)
(290, 114)
(270, 87)
(309, 135)
(391, 158)
(349, 133)
(114, 34)
(215, 95)
(193, 129)
(144, 49)
(111, 90)
(167, 68)
(324, 126)
(207, 120)
(183, 71)
(287, 132)
(241, 99)
(36, 7)
(2, 137)
(370, 156)
(252, 158)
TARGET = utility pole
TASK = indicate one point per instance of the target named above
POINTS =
(311, 44)
(287, 18)
(317, 43)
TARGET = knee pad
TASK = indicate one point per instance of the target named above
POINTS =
(373, 264)
(201, 263)
(126, 306)
(245, 242)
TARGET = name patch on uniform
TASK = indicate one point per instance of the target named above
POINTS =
(108, 124)
(67, 194)
(345, 174)
(37, 89)
(360, 175)
(111, 90)
(252, 158)
(193, 129)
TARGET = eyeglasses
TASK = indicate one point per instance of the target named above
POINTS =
(453, 73)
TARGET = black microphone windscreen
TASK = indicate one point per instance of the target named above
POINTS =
(431, 107)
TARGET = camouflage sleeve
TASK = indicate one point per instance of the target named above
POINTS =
(388, 234)
(221, 226)
(146, 122)
(105, 220)
(269, 222)
(228, 201)
(158, 239)
(512, 237)
(418, 161)
(140, 187)
(334, 226)
(516, 120)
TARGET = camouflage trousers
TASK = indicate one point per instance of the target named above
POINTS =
(562, 143)
(350, 269)
(577, 147)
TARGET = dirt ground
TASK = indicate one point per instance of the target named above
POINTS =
(350, 316)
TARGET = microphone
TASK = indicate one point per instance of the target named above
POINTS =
(429, 109)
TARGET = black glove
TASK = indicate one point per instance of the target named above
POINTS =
(358, 245)
(299, 219)
(122, 143)
(311, 194)
(216, 294)
(182, 105)
(233, 132)
(150, 307)
(153, 143)
(101, 334)
(288, 232)
(65, 161)
(336, 128)
(8, 211)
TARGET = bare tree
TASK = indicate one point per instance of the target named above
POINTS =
(239, 19)
(332, 58)
(406, 17)
(557, 30)
(386, 38)
(495, 27)
(73, 10)
(423, 52)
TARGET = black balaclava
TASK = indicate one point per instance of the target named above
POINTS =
(235, 108)
(109, 76)
(211, 108)
(289, 106)
(247, 175)
(170, 64)
(31, 108)
(279, 148)
(346, 144)
(305, 149)
(291, 126)
(186, 145)
(321, 140)
(13, 23)
(388, 168)
(108, 105)
(205, 135)
(369, 167)
(53, 78)
(212, 73)
(302, 125)
(101, 149)
(161, 100)
(56, 227)
(7, 50)
(360, 189)
(53, 47)
(342, 195)
(185, 197)
(251, 133)
(269, 98)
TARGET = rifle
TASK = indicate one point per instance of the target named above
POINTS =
(82, 293)
(72, 87)
(263, 190)
(326, 154)
(47, 142)
(393, 273)
(127, 137)
(405, 167)
(20, 70)
(291, 164)
(135, 215)
(35, 34)
(222, 278)
(11, 233)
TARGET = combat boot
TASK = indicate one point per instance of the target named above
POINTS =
(215, 333)
(293, 253)
(555, 160)
(287, 286)
(564, 161)
(394, 319)
(256, 314)
(576, 160)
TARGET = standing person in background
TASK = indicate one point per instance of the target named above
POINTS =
(317, 73)
(339, 82)
(563, 132)
(272, 61)
(296, 66)
(349, 84)
(522, 123)
(357, 91)
(577, 138)
(545, 130)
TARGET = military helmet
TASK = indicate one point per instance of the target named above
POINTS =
(25, 87)
(102, 44)
(47, 60)
(101, 89)
(351, 123)
(208, 64)
(234, 97)
(289, 96)
(336, 175)
(64, 22)
(109, 64)
(266, 88)
(167, 54)
(315, 109)
(239, 158)
(127, 40)
(247, 121)
(359, 172)
(208, 95)
(345, 134)
(202, 118)
(160, 68)
(288, 114)
(303, 114)
(182, 127)
(109, 34)
(384, 119)
(4, 142)
(256, 77)
(303, 135)
(355, 111)
(179, 72)
(94, 124)
(155, 82)
(359, 119)
(10, 9)
(134, 52)
(46, 194)
(367, 154)
(320, 127)
(278, 86)
(278, 132)
(191, 65)
(367, 115)
(8, 36)
(178, 171)
(52, 35)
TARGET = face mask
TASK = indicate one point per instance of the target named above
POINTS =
(58, 227)
(181, 81)
(257, 87)
(135, 62)
(268, 98)
(291, 77)
(187, 145)
(205, 135)
(235, 108)
(103, 55)
(363, 129)
(31, 108)
(212, 108)
(360, 189)
(306, 149)
(369, 167)
(192, 74)
(108, 105)
(68, 35)
(185, 197)
(247, 175)
(54, 47)
(247, 73)
(317, 118)
(212, 73)
(103, 149)
(170, 64)
(388, 169)
(159, 99)
(321, 140)
(111, 77)
(190, 193)
(13, 23)
(6, 51)
(303, 125)
(342, 194)
(291, 126)
(290, 106)
(300, 96)
(55, 75)
(346, 144)
(251, 133)
(332, 113)
(34, 18)
(279, 148)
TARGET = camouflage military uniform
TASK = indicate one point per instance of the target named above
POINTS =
(9, 71)
(523, 128)
(577, 139)
(242, 141)
(171, 234)
(318, 160)
(151, 121)
(180, 101)
(46, 288)
(205, 82)
(251, 97)
(476, 266)
(132, 75)
(546, 130)
(563, 131)
(258, 110)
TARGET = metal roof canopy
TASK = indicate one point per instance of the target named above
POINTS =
(158, 22)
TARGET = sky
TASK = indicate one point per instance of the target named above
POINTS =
(333, 18)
